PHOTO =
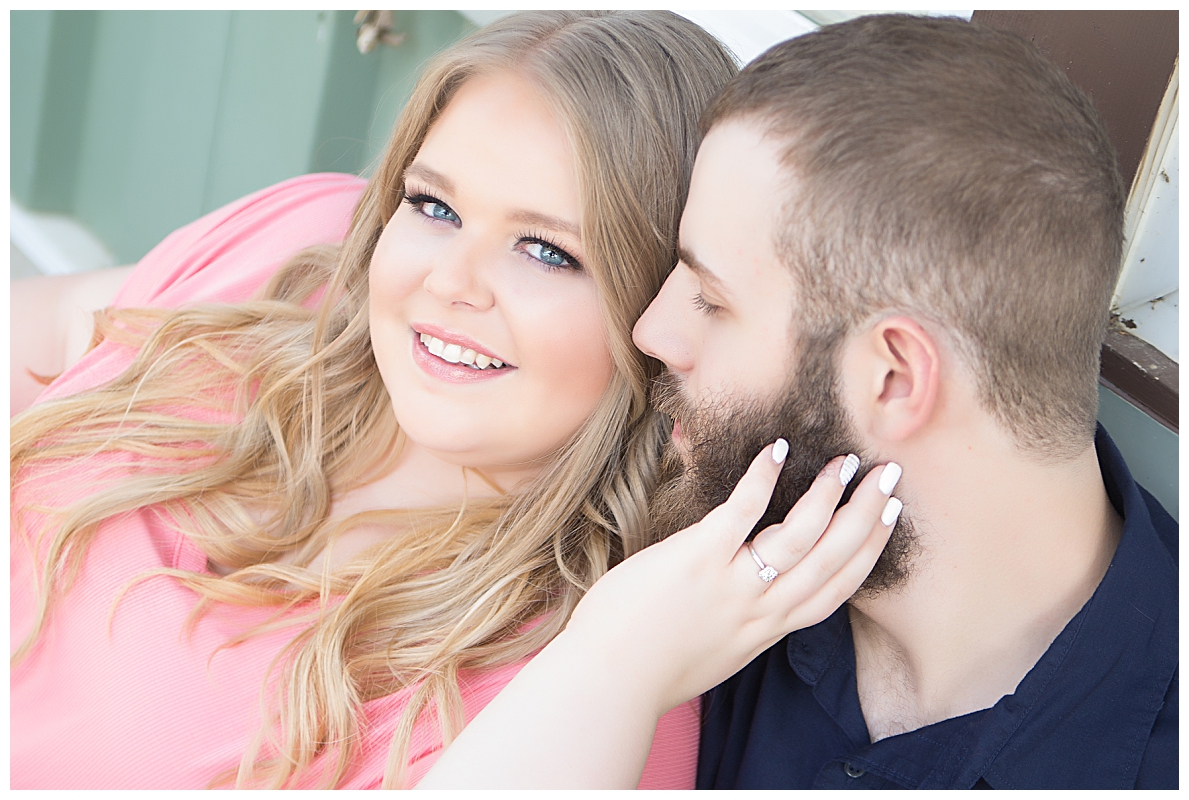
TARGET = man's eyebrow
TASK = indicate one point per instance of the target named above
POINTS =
(431, 176)
(546, 221)
(701, 270)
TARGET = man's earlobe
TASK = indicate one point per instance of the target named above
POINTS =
(909, 370)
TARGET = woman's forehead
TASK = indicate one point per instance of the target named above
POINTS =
(499, 143)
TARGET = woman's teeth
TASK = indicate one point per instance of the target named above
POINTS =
(457, 354)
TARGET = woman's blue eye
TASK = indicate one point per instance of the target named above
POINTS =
(431, 207)
(546, 254)
(439, 211)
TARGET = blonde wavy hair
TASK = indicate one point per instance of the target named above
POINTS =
(451, 589)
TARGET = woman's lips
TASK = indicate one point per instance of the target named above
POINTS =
(451, 373)
(450, 337)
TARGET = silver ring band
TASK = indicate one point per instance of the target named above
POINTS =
(767, 574)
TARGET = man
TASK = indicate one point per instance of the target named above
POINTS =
(938, 210)
(948, 206)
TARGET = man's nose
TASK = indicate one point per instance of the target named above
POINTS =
(663, 330)
(459, 276)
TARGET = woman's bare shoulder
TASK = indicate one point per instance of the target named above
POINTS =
(52, 324)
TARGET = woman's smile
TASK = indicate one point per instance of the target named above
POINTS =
(455, 358)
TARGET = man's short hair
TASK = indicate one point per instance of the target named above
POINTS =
(950, 171)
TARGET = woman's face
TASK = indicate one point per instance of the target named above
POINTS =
(484, 321)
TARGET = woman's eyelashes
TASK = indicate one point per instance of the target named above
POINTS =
(552, 256)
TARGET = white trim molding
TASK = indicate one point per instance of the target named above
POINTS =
(1146, 297)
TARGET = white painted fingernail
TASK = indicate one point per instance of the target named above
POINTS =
(780, 451)
(889, 477)
(891, 511)
(849, 468)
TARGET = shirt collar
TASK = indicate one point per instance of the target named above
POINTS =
(1101, 682)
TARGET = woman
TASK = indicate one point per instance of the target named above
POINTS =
(295, 534)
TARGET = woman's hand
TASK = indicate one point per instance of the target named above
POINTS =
(687, 613)
(666, 625)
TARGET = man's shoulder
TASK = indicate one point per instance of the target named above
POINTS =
(1167, 528)
(1101, 704)
(1150, 534)
(1159, 765)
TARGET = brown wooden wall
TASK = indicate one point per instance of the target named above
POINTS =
(1122, 59)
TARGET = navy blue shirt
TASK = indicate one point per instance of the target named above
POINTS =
(1098, 710)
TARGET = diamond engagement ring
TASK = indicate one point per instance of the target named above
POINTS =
(767, 573)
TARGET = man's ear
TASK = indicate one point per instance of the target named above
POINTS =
(898, 377)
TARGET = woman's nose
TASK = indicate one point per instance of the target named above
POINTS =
(459, 276)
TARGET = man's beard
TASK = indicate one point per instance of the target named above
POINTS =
(722, 439)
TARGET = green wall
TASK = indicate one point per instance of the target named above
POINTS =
(137, 122)
(1150, 449)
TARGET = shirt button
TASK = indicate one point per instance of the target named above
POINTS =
(852, 771)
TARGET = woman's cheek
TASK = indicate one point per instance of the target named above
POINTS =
(397, 267)
(579, 366)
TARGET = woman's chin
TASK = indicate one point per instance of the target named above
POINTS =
(472, 450)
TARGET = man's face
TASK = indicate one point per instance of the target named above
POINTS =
(739, 376)
(721, 322)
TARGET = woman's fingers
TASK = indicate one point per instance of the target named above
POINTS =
(844, 555)
(783, 545)
(841, 586)
(794, 607)
(735, 518)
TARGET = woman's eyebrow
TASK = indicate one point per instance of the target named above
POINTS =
(437, 179)
(431, 176)
(546, 221)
